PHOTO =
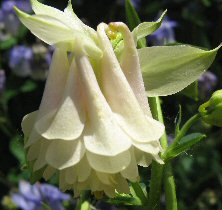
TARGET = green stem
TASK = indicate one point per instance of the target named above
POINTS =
(170, 188)
(185, 128)
(157, 169)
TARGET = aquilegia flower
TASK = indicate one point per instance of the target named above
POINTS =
(94, 125)
(34, 197)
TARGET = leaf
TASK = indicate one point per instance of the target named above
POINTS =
(178, 121)
(169, 69)
(28, 86)
(17, 149)
(133, 21)
(191, 91)
(4, 45)
(125, 199)
(146, 28)
(185, 144)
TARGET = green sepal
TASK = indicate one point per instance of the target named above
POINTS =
(125, 199)
(185, 144)
(146, 28)
(133, 21)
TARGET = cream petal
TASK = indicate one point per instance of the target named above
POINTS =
(63, 154)
(109, 191)
(28, 122)
(41, 161)
(79, 172)
(105, 178)
(52, 94)
(121, 184)
(31, 136)
(33, 151)
(103, 137)
(131, 172)
(121, 98)
(84, 170)
(71, 175)
(130, 65)
(109, 164)
(48, 173)
(95, 183)
(63, 185)
(68, 122)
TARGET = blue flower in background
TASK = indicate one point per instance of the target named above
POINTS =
(8, 17)
(207, 82)
(32, 197)
(20, 58)
(30, 61)
(165, 34)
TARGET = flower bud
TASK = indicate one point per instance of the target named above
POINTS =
(211, 111)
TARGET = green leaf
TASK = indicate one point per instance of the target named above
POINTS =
(16, 148)
(125, 199)
(133, 20)
(191, 91)
(28, 86)
(185, 144)
(178, 121)
(4, 45)
(169, 69)
(146, 28)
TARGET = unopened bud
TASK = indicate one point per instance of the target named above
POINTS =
(211, 111)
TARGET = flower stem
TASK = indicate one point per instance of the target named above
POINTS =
(158, 170)
(185, 128)
(170, 188)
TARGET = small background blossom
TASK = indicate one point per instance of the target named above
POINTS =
(165, 34)
(33, 197)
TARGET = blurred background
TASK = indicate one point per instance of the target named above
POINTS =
(24, 63)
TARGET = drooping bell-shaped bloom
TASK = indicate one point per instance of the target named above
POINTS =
(94, 125)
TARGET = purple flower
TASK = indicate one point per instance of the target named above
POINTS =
(20, 60)
(207, 82)
(8, 16)
(2, 80)
(165, 34)
(32, 197)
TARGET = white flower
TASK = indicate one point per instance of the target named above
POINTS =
(94, 125)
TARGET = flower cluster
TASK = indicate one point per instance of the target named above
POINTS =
(34, 197)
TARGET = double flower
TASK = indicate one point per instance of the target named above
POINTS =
(94, 125)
